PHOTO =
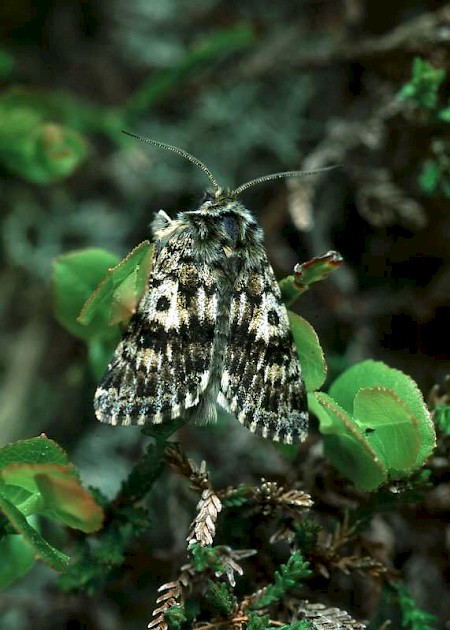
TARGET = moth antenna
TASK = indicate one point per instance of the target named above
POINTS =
(267, 178)
(183, 153)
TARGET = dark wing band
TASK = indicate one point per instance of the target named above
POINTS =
(261, 381)
(163, 362)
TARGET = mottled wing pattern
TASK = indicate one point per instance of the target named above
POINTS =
(261, 381)
(163, 362)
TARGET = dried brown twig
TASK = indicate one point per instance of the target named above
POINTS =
(203, 527)
(172, 595)
(177, 459)
(330, 554)
(323, 618)
(268, 496)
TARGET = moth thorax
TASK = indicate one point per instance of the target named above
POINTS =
(231, 228)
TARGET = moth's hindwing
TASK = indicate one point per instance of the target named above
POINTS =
(261, 380)
(162, 365)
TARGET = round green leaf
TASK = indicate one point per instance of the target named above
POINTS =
(370, 374)
(17, 559)
(389, 427)
(37, 150)
(344, 445)
(375, 374)
(33, 451)
(56, 152)
(61, 495)
(69, 503)
(24, 475)
(310, 353)
(39, 546)
(75, 276)
(17, 495)
(117, 295)
(444, 114)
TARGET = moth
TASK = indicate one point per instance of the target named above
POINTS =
(211, 328)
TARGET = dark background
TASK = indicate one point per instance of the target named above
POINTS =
(250, 88)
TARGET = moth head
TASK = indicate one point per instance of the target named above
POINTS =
(218, 198)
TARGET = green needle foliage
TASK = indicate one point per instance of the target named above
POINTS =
(204, 558)
(288, 577)
(175, 617)
(442, 418)
(221, 598)
(424, 91)
(258, 622)
(413, 617)
(95, 561)
(424, 85)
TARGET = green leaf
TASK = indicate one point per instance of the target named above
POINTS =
(117, 295)
(38, 477)
(36, 149)
(61, 496)
(307, 273)
(377, 374)
(17, 495)
(32, 451)
(75, 276)
(39, 546)
(58, 151)
(16, 559)
(430, 176)
(389, 427)
(345, 446)
(68, 502)
(375, 424)
(309, 350)
(444, 114)
(442, 417)
(94, 293)
(372, 374)
(423, 88)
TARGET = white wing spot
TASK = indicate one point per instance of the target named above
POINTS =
(173, 316)
(242, 305)
(201, 304)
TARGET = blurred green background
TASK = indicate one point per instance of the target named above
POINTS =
(250, 88)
